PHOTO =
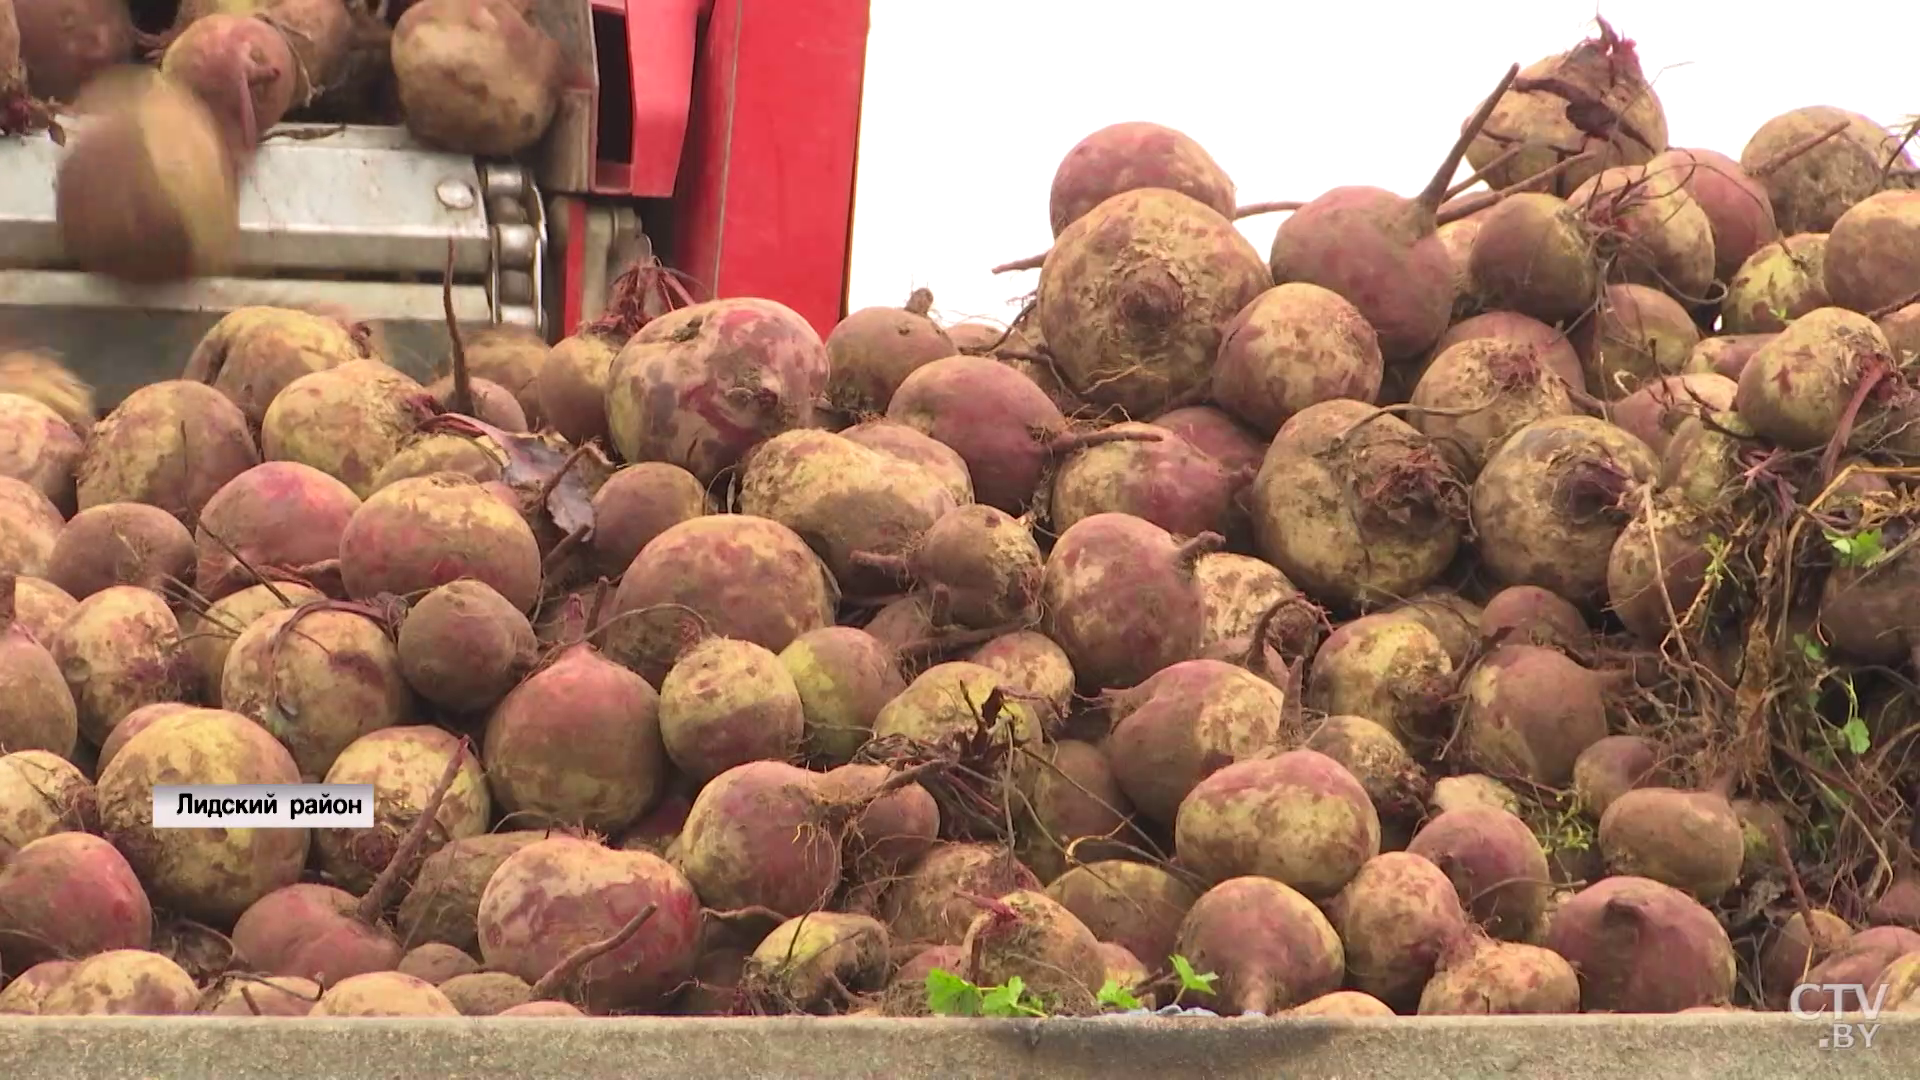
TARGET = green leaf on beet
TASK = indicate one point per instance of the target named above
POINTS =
(1005, 1000)
(1190, 980)
(1114, 996)
(1859, 740)
(1858, 549)
(950, 995)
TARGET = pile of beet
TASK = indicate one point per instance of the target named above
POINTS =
(1488, 603)
(166, 123)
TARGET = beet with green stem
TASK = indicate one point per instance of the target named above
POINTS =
(1272, 948)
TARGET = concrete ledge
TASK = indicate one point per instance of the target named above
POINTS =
(1734, 1046)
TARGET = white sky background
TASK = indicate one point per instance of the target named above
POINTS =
(970, 104)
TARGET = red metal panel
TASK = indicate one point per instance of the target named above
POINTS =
(660, 44)
(764, 205)
(573, 268)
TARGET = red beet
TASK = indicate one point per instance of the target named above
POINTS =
(1183, 723)
(724, 575)
(311, 931)
(1496, 865)
(578, 741)
(874, 348)
(1531, 615)
(281, 516)
(1119, 596)
(243, 67)
(1380, 251)
(697, 387)
(1298, 817)
(1534, 255)
(755, 838)
(556, 895)
(120, 544)
(68, 896)
(1270, 946)
(1294, 346)
(1657, 409)
(65, 43)
(1002, 425)
(1735, 203)
(419, 533)
(1134, 295)
(1215, 434)
(638, 503)
(1641, 946)
(1164, 480)
(1136, 154)
(893, 831)
(1550, 344)
(1531, 711)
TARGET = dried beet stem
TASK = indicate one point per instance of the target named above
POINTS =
(391, 875)
(569, 966)
(1436, 191)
